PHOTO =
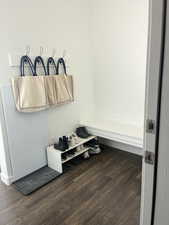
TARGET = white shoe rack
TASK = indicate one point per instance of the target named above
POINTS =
(54, 156)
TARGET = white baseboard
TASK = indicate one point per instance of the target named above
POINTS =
(122, 146)
(116, 136)
(6, 180)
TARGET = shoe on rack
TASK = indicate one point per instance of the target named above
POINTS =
(61, 145)
(64, 157)
(82, 132)
(82, 147)
(93, 143)
(73, 151)
(66, 142)
(86, 155)
(94, 151)
(73, 139)
(78, 148)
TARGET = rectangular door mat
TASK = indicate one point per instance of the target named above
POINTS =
(35, 180)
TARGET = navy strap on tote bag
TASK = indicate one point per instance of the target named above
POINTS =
(39, 60)
(61, 62)
(51, 61)
(26, 60)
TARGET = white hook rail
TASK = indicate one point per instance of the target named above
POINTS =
(41, 51)
(53, 53)
(28, 49)
(14, 59)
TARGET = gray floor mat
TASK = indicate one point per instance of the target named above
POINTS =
(35, 180)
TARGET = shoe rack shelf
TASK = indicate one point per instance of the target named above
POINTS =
(81, 142)
(54, 156)
(76, 154)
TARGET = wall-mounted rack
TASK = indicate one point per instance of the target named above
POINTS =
(14, 59)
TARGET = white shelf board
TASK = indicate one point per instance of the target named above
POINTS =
(75, 155)
(81, 142)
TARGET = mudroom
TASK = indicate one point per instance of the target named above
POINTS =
(73, 111)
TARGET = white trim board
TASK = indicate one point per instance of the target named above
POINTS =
(6, 180)
(125, 137)
(122, 146)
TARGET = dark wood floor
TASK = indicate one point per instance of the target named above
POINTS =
(104, 190)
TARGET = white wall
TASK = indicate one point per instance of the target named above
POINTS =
(119, 30)
(52, 24)
(116, 47)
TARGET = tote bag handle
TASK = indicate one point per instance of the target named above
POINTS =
(51, 61)
(61, 62)
(26, 59)
(39, 59)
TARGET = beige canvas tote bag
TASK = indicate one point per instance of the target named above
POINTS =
(64, 84)
(29, 91)
(48, 80)
(50, 83)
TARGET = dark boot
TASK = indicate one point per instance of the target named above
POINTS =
(66, 142)
(60, 146)
(82, 132)
(93, 143)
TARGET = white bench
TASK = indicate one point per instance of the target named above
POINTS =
(123, 136)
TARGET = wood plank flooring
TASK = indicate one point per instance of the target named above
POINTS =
(104, 190)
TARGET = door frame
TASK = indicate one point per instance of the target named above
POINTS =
(160, 213)
(155, 57)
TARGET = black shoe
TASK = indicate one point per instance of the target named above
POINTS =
(66, 142)
(93, 143)
(70, 154)
(64, 157)
(82, 132)
(60, 146)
